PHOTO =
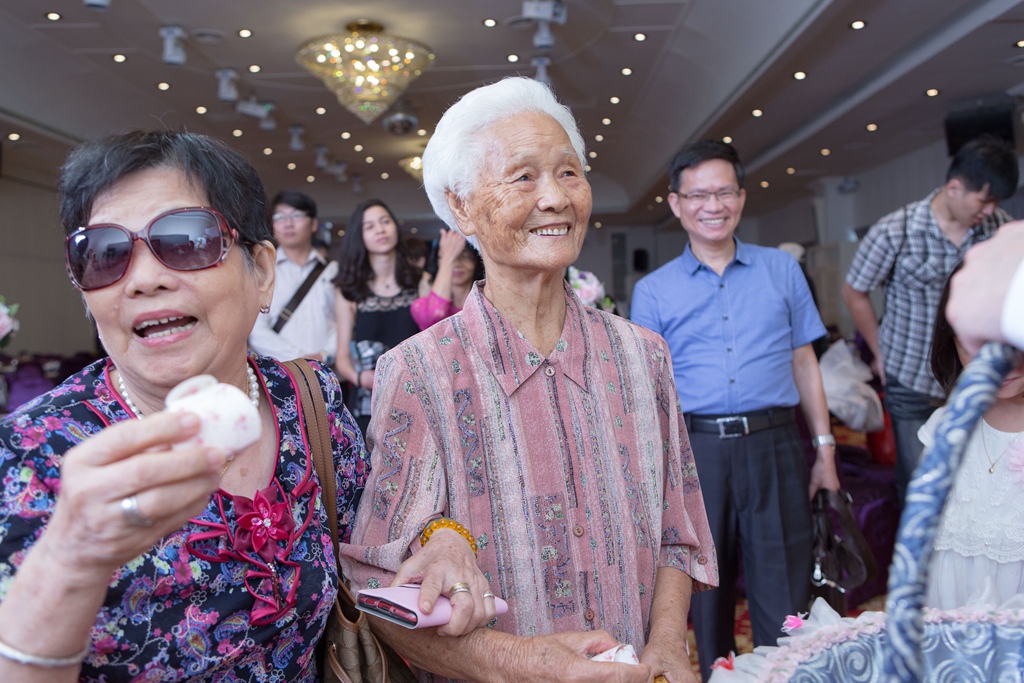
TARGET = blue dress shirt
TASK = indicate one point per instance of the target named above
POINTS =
(731, 336)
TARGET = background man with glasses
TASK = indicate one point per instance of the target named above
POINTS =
(739, 321)
(300, 321)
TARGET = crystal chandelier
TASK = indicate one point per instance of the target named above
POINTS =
(413, 166)
(366, 68)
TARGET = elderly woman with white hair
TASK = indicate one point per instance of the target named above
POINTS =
(545, 431)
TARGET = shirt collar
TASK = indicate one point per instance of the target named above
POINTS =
(691, 264)
(510, 357)
(314, 255)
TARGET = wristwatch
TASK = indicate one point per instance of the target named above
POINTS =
(822, 439)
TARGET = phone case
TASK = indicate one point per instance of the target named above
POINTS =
(400, 605)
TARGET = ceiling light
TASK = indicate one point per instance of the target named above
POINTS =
(174, 46)
(296, 143)
(627, 71)
(227, 85)
(369, 160)
(1019, 43)
(599, 137)
(346, 135)
(659, 199)
(254, 68)
(268, 151)
(13, 137)
(872, 127)
(791, 170)
(490, 23)
(727, 139)
(321, 111)
(291, 166)
(606, 122)
(365, 68)
(119, 58)
(53, 16)
(384, 175)
(310, 178)
(639, 37)
(513, 58)
(163, 86)
(237, 132)
(799, 75)
(613, 99)
(825, 152)
(245, 33)
(597, 224)
(421, 132)
(757, 113)
(358, 148)
(932, 92)
(587, 168)
(857, 25)
(592, 155)
(200, 109)
(764, 183)
(413, 166)
(414, 229)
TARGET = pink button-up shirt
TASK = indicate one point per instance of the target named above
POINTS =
(574, 472)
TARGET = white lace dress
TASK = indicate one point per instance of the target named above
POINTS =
(980, 542)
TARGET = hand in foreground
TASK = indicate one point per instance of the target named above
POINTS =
(979, 289)
(124, 489)
(447, 559)
(669, 662)
(563, 658)
(449, 246)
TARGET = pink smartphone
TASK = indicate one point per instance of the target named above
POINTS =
(400, 605)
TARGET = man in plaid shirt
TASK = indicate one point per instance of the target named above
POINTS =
(911, 252)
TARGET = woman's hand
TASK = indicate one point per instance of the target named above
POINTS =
(670, 661)
(449, 246)
(448, 559)
(96, 529)
(565, 658)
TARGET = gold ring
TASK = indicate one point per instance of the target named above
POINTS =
(460, 587)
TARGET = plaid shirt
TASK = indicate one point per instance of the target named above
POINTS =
(907, 252)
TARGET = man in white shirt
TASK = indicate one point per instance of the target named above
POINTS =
(294, 327)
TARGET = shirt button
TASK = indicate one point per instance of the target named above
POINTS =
(725, 317)
(729, 349)
(732, 381)
(577, 530)
(702, 560)
(589, 615)
(549, 371)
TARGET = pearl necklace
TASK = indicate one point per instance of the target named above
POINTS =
(254, 390)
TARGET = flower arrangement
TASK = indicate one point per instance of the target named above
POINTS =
(8, 323)
(590, 290)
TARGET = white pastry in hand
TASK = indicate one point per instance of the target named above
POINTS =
(229, 419)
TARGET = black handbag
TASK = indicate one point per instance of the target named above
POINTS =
(840, 562)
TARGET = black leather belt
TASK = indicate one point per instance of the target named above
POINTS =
(734, 426)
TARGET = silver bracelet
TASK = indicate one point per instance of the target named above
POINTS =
(15, 655)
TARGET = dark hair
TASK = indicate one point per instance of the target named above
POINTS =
(294, 198)
(986, 160)
(705, 150)
(354, 269)
(415, 248)
(945, 361)
(230, 183)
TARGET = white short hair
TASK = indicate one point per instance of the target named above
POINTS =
(454, 156)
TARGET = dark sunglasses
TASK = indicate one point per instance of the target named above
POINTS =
(182, 239)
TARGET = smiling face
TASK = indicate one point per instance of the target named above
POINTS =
(710, 223)
(161, 326)
(532, 202)
(380, 234)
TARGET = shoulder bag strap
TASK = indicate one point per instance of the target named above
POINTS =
(300, 294)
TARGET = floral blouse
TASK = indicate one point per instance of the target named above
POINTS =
(243, 591)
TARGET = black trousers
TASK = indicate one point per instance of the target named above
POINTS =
(755, 494)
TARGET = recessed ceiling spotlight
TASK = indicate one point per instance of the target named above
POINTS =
(13, 137)
(764, 183)
(592, 155)
(244, 33)
(606, 122)
(757, 113)
(53, 16)
(310, 178)
(587, 168)
(932, 92)
(237, 132)
(659, 199)
(321, 111)
(358, 148)
(291, 166)
(872, 127)
(613, 99)
(639, 37)
(857, 25)
(490, 23)
(200, 109)
(627, 71)
(119, 58)
(513, 58)
(254, 69)
(369, 160)
(599, 138)
(163, 86)
(800, 75)
(268, 151)
(825, 152)
(384, 175)
(346, 135)
(598, 224)
(421, 132)
(414, 230)
(727, 139)
(1019, 43)
(790, 170)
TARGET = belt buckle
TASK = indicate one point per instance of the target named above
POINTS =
(732, 419)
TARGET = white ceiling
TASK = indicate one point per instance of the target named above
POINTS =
(704, 66)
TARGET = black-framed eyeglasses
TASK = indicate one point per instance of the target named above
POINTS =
(191, 238)
(700, 198)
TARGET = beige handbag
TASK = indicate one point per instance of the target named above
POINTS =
(351, 653)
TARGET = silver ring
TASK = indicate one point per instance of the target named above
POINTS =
(488, 594)
(130, 508)
(460, 587)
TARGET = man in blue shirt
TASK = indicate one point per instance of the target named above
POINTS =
(739, 321)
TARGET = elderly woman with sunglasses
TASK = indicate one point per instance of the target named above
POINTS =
(123, 557)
